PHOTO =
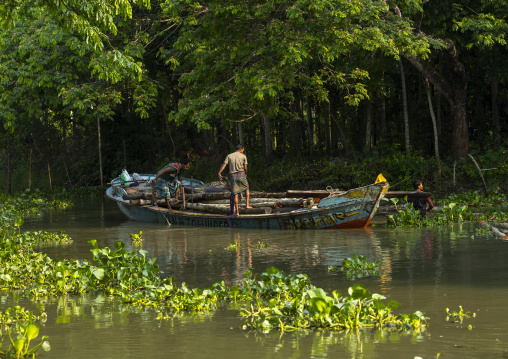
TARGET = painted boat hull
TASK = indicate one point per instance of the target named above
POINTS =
(352, 209)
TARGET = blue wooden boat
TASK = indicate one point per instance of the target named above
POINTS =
(349, 209)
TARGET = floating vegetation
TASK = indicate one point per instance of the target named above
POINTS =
(233, 246)
(137, 239)
(259, 245)
(291, 302)
(357, 267)
(457, 317)
(452, 212)
(20, 326)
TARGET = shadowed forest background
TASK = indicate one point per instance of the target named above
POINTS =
(319, 92)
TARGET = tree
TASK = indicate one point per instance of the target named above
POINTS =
(465, 26)
(236, 55)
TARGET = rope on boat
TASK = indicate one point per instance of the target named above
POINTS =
(332, 190)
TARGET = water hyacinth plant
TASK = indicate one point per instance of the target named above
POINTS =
(358, 267)
(289, 303)
(137, 239)
(22, 330)
(451, 213)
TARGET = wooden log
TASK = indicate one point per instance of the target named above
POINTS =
(500, 225)
(224, 209)
(133, 195)
(494, 230)
(314, 193)
(198, 197)
(146, 202)
(286, 209)
(409, 194)
(265, 202)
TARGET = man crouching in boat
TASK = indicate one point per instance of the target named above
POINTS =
(168, 181)
(237, 175)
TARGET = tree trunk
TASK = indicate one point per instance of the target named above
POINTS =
(455, 92)
(100, 151)
(338, 124)
(439, 107)
(382, 116)
(310, 127)
(268, 139)
(66, 172)
(240, 133)
(404, 105)
(49, 175)
(434, 125)
(328, 127)
(9, 171)
(296, 129)
(368, 127)
(165, 120)
(495, 112)
(30, 169)
(124, 146)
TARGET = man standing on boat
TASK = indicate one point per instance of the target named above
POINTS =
(238, 175)
(168, 181)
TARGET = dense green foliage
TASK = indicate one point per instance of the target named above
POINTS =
(301, 83)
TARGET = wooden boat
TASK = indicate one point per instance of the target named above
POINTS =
(347, 209)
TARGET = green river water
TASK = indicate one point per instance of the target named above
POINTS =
(422, 269)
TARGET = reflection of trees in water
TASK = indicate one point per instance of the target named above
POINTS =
(106, 311)
(197, 256)
(358, 344)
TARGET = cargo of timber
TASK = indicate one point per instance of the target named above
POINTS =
(206, 206)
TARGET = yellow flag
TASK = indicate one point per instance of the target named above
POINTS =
(380, 178)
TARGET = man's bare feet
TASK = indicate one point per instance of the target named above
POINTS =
(248, 206)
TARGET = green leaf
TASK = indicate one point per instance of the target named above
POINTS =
(317, 293)
(32, 331)
(359, 291)
(272, 270)
(18, 346)
(99, 273)
(318, 305)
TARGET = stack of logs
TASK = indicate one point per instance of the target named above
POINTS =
(219, 202)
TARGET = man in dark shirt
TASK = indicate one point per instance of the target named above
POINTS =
(168, 181)
(423, 205)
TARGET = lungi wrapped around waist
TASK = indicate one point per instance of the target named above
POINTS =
(239, 182)
(166, 189)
